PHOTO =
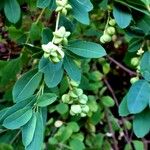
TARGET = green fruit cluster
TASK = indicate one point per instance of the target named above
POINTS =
(109, 32)
(60, 36)
(63, 6)
(77, 99)
(53, 52)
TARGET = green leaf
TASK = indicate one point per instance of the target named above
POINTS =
(138, 96)
(46, 99)
(136, 5)
(122, 15)
(141, 123)
(37, 140)
(144, 23)
(46, 35)
(12, 10)
(135, 44)
(76, 144)
(4, 146)
(10, 71)
(144, 66)
(18, 118)
(86, 49)
(123, 108)
(28, 131)
(26, 85)
(74, 126)
(62, 108)
(35, 31)
(3, 113)
(43, 3)
(66, 134)
(53, 73)
(80, 10)
(138, 145)
(72, 69)
(20, 105)
(107, 101)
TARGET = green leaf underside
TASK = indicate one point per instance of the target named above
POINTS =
(72, 69)
(46, 99)
(43, 3)
(144, 66)
(141, 123)
(53, 73)
(86, 49)
(18, 106)
(123, 108)
(28, 131)
(18, 119)
(26, 85)
(122, 15)
(12, 10)
(138, 96)
(37, 140)
(80, 12)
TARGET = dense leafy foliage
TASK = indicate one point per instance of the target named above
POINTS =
(58, 89)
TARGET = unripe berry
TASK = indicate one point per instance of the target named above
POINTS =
(83, 99)
(110, 30)
(135, 61)
(134, 79)
(105, 38)
(76, 109)
(112, 22)
(66, 98)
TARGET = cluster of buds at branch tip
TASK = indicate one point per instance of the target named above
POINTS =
(63, 6)
(140, 52)
(61, 35)
(77, 99)
(109, 32)
(53, 52)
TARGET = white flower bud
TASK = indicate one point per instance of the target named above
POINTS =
(58, 123)
(83, 99)
(85, 108)
(76, 109)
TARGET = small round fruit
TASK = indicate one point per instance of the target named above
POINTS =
(65, 98)
(112, 22)
(106, 38)
(135, 61)
(134, 79)
(76, 109)
(110, 30)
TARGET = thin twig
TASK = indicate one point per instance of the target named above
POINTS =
(15, 137)
(111, 131)
(131, 73)
(117, 104)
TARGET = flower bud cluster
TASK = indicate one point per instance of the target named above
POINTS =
(77, 99)
(109, 32)
(63, 6)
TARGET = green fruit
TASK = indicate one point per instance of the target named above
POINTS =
(46, 55)
(102, 40)
(85, 108)
(76, 109)
(83, 114)
(105, 38)
(134, 79)
(65, 98)
(110, 30)
(135, 61)
(112, 22)
(83, 99)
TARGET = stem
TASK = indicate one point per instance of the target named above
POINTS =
(57, 21)
(11, 142)
(107, 22)
(117, 104)
(131, 73)
(111, 131)
(39, 17)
